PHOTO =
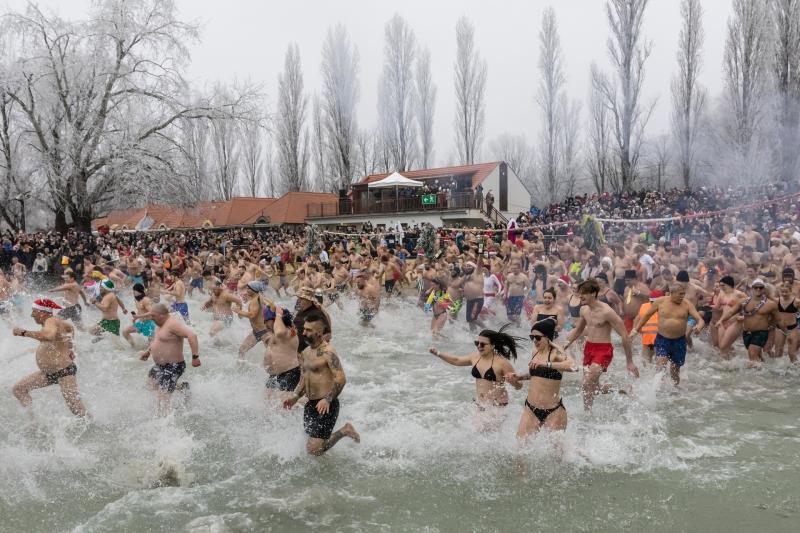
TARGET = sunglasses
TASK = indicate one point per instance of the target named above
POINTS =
(536, 338)
(479, 344)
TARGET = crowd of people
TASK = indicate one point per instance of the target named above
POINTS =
(723, 276)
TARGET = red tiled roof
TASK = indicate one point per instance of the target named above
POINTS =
(292, 207)
(479, 173)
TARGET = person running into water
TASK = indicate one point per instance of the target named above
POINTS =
(54, 358)
(489, 370)
(322, 380)
(598, 319)
(788, 309)
(544, 408)
(255, 314)
(756, 314)
(673, 315)
(141, 321)
(220, 300)
(648, 329)
(108, 305)
(176, 289)
(72, 291)
(166, 349)
(280, 358)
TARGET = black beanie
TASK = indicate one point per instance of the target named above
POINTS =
(682, 276)
(546, 327)
(727, 280)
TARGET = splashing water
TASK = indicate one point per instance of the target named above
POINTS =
(720, 453)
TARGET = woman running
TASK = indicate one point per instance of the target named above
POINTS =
(788, 310)
(491, 364)
(729, 330)
(548, 309)
(543, 407)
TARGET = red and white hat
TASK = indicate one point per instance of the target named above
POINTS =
(46, 305)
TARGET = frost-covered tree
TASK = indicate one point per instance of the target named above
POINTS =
(518, 154)
(253, 134)
(290, 131)
(340, 93)
(688, 96)
(426, 107)
(786, 79)
(470, 87)
(598, 152)
(396, 93)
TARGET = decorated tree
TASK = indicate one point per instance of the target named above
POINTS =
(312, 246)
(427, 240)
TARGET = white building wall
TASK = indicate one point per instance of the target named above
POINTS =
(519, 198)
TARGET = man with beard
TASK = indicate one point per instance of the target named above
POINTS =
(322, 380)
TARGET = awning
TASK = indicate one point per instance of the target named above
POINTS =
(394, 180)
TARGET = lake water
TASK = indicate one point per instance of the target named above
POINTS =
(721, 454)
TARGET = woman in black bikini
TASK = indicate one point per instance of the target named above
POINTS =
(549, 309)
(543, 407)
(788, 309)
(490, 364)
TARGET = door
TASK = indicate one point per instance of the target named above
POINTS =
(503, 187)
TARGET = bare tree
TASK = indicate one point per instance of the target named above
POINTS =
(193, 143)
(659, 161)
(396, 92)
(319, 145)
(426, 107)
(688, 97)
(628, 52)
(15, 186)
(366, 144)
(253, 143)
(226, 146)
(339, 96)
(570, 147)
(518, 154)
(786, 74)
(470, 85)
(550, 98)
(599, 162)
(291, 135)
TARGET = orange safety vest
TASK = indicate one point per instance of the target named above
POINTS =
(650, 329)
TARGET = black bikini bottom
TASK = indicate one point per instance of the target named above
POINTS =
(542, 414)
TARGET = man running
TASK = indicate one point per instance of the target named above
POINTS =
(54, 357)
(280, 359)
(598, 319)
(673, 314)
(517, 287)
(108, 305)
(220, 300)
(72, 291)
(322, 380)
(255, 314)
(176, 288)
(167, 351)
(145, 326)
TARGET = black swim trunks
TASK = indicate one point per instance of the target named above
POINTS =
(167, 375)
(285, 381)
(73, 312)
(319, 426)
(55, 377)
(474, 307)
(259, 334)
(757, 338)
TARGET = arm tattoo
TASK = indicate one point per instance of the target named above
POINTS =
(336, 389)
(335, 364)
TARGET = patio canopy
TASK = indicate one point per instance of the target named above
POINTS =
(394, 180)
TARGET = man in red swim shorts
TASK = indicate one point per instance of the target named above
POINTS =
(598, 319)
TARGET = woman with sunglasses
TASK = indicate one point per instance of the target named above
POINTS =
(489, 370)
(543, 407)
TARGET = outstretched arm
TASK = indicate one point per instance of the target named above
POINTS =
(452, 359)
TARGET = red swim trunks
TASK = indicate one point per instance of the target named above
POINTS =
(628, 324)
(600, 353)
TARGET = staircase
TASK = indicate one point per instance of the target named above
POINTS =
(491, 214)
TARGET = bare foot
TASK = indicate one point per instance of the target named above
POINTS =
(351, 432)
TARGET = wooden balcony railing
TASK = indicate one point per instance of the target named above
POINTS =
(403, 204)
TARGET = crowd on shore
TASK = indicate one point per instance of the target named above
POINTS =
(733, 274)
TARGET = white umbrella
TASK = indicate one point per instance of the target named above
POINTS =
(395, 180)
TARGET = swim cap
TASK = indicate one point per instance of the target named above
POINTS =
(138, 287)
(682, 276)
(727, 280)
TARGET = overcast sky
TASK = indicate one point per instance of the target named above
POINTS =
(247, 39)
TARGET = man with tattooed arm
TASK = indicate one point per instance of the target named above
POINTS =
(322, 380)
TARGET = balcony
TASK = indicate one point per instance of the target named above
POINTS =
(385, 202)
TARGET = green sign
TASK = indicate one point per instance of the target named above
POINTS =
(428, 199)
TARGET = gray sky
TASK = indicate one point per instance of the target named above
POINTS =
(247, 39)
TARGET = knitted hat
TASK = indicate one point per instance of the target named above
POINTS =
(546, 327)
(45, 305)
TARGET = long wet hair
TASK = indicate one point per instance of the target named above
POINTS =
(503, 343)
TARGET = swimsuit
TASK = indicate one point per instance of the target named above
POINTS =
(285, 381)
(145, 327)
(472, 305)
(367, 314)
(182, 308)
(489, 375)
(756, 338)
(167, 375)
(56, 376)
(542, 414)
(111, 326)
(196, 283)
(672, 349)
(599, 353)
(514, 306)
(319, 426)
(227, 320)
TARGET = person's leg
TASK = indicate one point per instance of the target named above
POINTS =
(730, 335)
(591, 384)
(794, 337)
(215, 328)
(528, 424)
(126, 333)
(22, 390)
(69, 390)
(320, 446)
(675, 373)
(557, 420)
(754, 354)
(247, 344)
(778, 343)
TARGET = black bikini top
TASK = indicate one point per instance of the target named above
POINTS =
(791, 308)
(544, 372)
(488, 376)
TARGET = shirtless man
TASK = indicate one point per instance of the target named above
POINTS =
(634, 296)
(322, 380)
(143, 306)
(108, 305)
(167, 351)
(219, 301)
(473, 295)
(195, 276)
(756, 313)
(176, 289)
(516, 288)
(280, 358)
(72, 291)
(598, 319)
(673, 313)
(54, 357)
(369, 297)
(255, 314)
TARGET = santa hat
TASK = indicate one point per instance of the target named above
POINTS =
(46, 306)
